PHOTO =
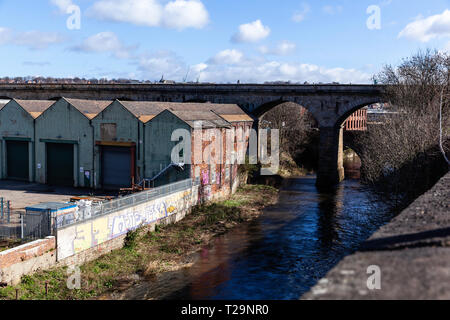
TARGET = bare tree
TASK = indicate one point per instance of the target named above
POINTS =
(298, 129)
(402, 152)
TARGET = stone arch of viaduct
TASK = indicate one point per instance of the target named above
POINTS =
(329, 104)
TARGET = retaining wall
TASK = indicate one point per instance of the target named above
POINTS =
(99, 235)
(27, 258)
(88, 240)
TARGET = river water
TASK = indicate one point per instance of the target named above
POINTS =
(281, 254)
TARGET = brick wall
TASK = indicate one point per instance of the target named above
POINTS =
(27, 258)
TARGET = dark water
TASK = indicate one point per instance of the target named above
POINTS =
(283, 253)
(352, 166)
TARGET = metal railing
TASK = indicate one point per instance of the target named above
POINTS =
(25, 226)
(121, 203)
(5, 210)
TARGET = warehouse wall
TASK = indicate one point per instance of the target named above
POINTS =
(158, 147)
(15, 122)
(127, 129)
(64, 123)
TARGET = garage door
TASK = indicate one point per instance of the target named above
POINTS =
(116, 167)
(17, 160)
(60, 164)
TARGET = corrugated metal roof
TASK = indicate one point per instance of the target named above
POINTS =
(208, 118)
(90, 108)
(146, 110)
(35, 107)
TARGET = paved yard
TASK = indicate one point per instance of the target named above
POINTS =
(22, 194)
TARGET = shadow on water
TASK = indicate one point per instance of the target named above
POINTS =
(283, 253)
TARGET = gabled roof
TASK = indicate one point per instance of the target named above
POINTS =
(147, 110)
(144, 110)
(34, 107)
(208, 118)
(90, 108)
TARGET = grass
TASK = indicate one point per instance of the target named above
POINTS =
(146, 253)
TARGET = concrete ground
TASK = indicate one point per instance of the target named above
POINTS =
(23, 194)
(412, 253)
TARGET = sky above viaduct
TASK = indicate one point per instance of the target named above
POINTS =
(344, 41)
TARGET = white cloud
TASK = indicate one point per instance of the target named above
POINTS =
(332, 10)
(105, 42)
(63, 5)
(38, 39)
(228, 57)
(5, 35)
(177, 14)
(247, 70)
(299, 16)
(251, 32)
(35, 40)
(182, 14)
(163, 63)
(259, 72)
(426, 29)
(281, 49)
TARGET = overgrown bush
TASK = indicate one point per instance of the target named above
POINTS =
(402, 155)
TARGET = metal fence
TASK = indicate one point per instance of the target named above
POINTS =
(5, 210)
(121, 203)
(29, 226)
(25, 226)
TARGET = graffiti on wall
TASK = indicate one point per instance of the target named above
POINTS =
(205, 177)
(83, 236)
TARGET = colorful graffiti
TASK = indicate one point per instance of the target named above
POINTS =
(80, 237)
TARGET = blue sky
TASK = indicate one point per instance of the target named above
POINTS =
(217, 40)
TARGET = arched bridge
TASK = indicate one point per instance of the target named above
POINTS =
(329, 104)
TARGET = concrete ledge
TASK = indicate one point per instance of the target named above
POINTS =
(26, 259)
(412, 252)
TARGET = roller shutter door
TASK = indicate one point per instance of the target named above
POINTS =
(60, 164)
(116, 167)
(17, 160)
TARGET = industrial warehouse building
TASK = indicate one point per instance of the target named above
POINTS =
(159, 151)
(118, 153)
(65, 142)
(17, 137)
(105, 144)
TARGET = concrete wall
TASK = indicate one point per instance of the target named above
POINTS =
(15, 122)
(26, 259)
(158, 147)
(64, 123)
(128, 129)
(87, 241)
(93, 233)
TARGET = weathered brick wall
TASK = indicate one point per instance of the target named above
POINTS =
(219, 181)
(27, 258)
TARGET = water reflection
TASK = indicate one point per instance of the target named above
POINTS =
(352, 166)
(281, 254)
(330, 206)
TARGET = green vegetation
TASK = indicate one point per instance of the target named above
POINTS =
(147, 252)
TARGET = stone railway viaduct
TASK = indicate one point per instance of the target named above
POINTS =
(331, 105)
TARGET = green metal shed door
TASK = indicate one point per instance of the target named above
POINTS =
(17, 161)
(116, 167)
(60, 164)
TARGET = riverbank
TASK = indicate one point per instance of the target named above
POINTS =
(148, 253)
(412, 253)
